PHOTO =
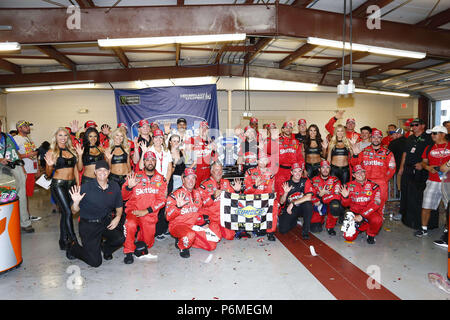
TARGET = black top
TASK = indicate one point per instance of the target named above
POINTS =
(98, 203)
(397, 147)
(62, 162)
(301, 138)
(311, 150)
(299, 190)
(147, 144)
(179, 166)
(89, 159)
(122, 158)
(339, 151)
(414, 148)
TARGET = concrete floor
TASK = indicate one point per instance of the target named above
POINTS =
(237, 270)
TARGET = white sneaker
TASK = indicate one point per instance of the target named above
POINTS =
(33, 218)
(161, 237)
(148, 256)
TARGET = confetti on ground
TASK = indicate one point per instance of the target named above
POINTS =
(208, 259)
(351, 242)
(215, 298)
(313, 252)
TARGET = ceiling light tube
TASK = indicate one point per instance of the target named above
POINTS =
(52, 87)
(387, 93)
(366, 48)
(9, 46)
(126, 42)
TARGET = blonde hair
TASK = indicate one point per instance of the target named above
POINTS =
(163, 144)
(125, 145)
(334, 141)
(54, 145)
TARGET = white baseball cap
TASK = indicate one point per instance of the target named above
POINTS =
(440, 129)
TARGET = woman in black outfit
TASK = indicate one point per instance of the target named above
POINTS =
(90, 153)
(61, 161)
(178, 163)
(314, 149)
(339, 153)
(118, 156)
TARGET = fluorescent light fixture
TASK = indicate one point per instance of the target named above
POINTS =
(52, 87)
(193, 81)
(151, 41)
(280, 85)
(387, 93)
(366, 48)
(9, 46)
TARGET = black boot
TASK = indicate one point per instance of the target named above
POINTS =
(128, 258)
(271, 236)
(370, 240)
(185, 253)
(331, 232)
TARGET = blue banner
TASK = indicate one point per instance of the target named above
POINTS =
(166, 105)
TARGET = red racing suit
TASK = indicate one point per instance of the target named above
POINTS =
(333, 185)
(181, 220)
(149, 194)
(204, 155)
(212, 205)
(380, 167)
(289, 151)
(349, 134)
(364, 199)
(267, 186)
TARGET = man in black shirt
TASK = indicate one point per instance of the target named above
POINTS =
(296, 195)
(413, 175)
(96, 200)
(301, 135)
(397, 146)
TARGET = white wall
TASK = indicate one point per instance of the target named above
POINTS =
(49, 110)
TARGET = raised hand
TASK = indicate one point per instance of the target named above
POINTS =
(75, 194)
(323, 191)
(131, 178)
(356, 148)
(181, 201)
(325, 144)
(339, 114)
(217, 193)
(237, 185)
(108, 154)
(289, 208)
(79, 149)
(143, 147)
(344, 191)
(74, 126)
(286, 187)
(50, 159)
(167, 127)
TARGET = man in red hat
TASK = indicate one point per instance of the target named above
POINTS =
(211, 190)
(378, 162)
(203, 152)
(185, 215)
(104, 135)
(145, 192)
(326, 200)
(259, 180)
(302, 127)
(364, 198)
(90, 123)
(349, 125)
(295, 196)
(253, 123)
(143, 138)
(407, 127)
(248, 151)
(288, 150)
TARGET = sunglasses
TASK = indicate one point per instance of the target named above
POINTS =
(436, 133)
(415, 125)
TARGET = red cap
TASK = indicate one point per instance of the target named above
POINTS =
(68, 129)
(149, 155)
(89, 124)
(143, 122)
(297, 165)
(358, 168)
(301, 121)
(408, 122)
(122, 125)
(272, 125)
(377, 133)
(324, 163)
(287, 123)
(253, 120)
(188, 172)
(158, 133)
(204, 124)
(153, 124)
(351, 120)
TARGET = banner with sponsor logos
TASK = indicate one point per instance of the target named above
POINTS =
(250, 212)
(166, 105)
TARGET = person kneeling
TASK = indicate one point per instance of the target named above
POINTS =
(186, 222)
(95, 200)
(326, 200)
(296, 199)
(146, 194)
(364, 199)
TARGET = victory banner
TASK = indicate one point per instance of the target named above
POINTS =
(249, 212)
(165, 105)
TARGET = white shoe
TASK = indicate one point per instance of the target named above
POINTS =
(148, 256)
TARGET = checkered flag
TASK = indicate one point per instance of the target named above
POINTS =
(249, 212)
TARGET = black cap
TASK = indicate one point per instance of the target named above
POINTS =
(181, 120)
(101, 164)
(419, 121)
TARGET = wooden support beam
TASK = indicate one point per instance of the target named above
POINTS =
(58, 56)
(297, 54)
(11, 67)
(122, 56)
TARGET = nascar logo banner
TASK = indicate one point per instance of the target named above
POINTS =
(250, 212)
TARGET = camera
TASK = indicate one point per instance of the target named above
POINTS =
(13, 164)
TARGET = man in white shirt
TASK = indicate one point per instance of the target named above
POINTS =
(28, 153)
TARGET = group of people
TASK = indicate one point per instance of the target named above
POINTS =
(168, 182)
